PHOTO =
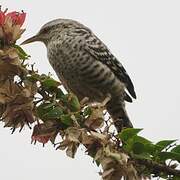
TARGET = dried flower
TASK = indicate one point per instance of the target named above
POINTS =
(16, 17)
(38, 135)
(10, 27)
(44, 132)
(2, 18)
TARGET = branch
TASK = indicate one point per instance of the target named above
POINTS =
(157, 167)
(28, 98)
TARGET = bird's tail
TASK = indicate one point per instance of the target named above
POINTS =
(116, 108)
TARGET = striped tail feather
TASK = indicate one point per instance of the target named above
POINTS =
(116, 109)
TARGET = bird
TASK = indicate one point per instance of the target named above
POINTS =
(86, 67)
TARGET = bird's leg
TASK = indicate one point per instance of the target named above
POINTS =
(84, 101)
(106, 100)
(103, 103)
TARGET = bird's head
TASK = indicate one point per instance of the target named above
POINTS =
(52, 30)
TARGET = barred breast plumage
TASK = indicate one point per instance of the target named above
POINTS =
(87, 68)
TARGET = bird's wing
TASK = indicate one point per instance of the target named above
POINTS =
(97, 49)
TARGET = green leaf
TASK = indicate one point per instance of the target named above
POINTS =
(55, 113)
(87, 111)
(128, 133)
(50, 82)
(150, 148)
(142, 156)
(176, 178)
(49, 106)
(43, 109)
(176, 149)
(59, 93)
(64, 98)
(20, 49)
(139, 144)
(74, 104)
(33, 78)
(169, 155)
(138, 148)
(127, 147)
(163, 144)
(49, 111)
(66, 119)
(22, 54)
(141, 140)
(129, 144)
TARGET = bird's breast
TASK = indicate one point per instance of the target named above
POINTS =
(63, 66)
(82, 73)
(70, 67)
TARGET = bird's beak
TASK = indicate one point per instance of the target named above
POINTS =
(31, 39)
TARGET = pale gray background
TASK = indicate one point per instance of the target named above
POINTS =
(145, 36)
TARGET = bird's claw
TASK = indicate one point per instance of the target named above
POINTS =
(100, 105)
(84, 101)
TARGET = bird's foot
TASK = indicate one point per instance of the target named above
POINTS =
(84, 101)
(106, 100)
(102, 104)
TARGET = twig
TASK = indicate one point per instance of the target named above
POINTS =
(157, 167)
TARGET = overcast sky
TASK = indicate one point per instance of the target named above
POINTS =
(145, 36)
